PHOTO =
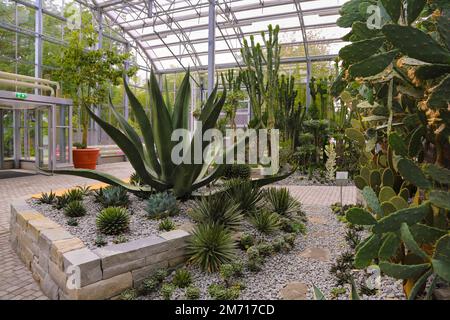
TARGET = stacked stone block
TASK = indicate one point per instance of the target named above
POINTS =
(66, 269)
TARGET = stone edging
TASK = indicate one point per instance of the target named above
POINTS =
(66, 269)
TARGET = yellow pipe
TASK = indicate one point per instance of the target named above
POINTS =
(28, 85)
(15, 76)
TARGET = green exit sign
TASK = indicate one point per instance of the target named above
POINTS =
(21, 95)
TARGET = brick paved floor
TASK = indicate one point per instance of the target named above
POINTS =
(16, 281)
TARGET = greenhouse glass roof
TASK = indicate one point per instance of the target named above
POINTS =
(172, 35)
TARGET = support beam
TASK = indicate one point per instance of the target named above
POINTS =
(211, 46)
(225, 66)
(125, 96)
(38, 41)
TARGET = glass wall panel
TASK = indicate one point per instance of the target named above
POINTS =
(26, 17)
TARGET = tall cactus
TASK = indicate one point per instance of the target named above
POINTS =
(289, 116)
(261, 75)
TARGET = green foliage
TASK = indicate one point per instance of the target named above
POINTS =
(75, 209)
(182, 278)
(151, 156)
(218, 209)
(192, 293)
(112, 196)
(210, 246)
(129, 294)
(166, 225)
(74, 195)
(220, 292)
(100, 241)
(160, 275)
(246, 241)
(47, 198)
(280, 201)
(290, 226)
(244, 193)
(73, 222)
(265, 221)
(87, 74)
(167, 290)
(135, 180)
(61, 201)
(162, 205)
(261, 76)
(265, 249)
(113, 221)
(342, 267)
(149, 285)
(237, 171)
(85, 190)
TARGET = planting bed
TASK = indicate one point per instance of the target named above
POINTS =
(86, 230)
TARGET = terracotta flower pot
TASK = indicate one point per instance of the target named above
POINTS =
(85, 158)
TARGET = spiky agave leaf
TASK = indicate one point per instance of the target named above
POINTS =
(281, 202)
(211, 246)
(219, 209)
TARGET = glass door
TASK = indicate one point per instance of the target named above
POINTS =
(43, 143)
(6, 137)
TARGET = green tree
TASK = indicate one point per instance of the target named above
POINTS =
(87, 73)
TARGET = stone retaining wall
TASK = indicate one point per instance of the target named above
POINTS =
(66, 269)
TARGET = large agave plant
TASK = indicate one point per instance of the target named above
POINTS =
(151, 155)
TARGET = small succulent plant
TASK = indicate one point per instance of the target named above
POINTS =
(162, 205)
(61, 201)
(113, 221)
(47, 198)
(265, 221)
(75, 209)
(246, 241)
(182, 278)
(73, 222)
(129, 294)
(112, 196)
(166, 225)
(161, 274)
(100, 241)
(167, 290)
(120, 239)
(192, 293)
(149, 285)
(74, 194)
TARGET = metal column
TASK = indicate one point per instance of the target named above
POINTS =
(17, 141)
(211, 45)
(2, 148)
(38, 41)
(126, 112)
(70, 133)
(52, 138)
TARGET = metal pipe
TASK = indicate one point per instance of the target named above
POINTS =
(15, 76)
(28, 85)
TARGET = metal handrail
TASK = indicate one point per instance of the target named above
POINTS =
(26, 81)
(28, 85)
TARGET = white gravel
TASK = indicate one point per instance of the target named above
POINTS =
(140, 225)
(281, 269)
(323, 231)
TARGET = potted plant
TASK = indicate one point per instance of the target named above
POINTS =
(86, 73)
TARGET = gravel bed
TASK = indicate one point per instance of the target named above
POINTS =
(140, 225)
(281, 269)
